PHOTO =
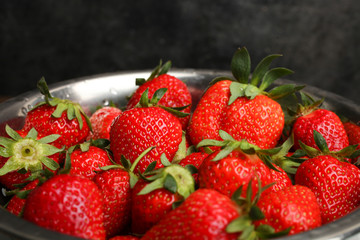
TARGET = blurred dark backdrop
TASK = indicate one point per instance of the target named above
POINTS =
(67, 39)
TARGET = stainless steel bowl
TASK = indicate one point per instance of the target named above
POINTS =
(97, 90)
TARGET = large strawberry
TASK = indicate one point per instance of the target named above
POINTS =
(177, 94)
(148, 125)
(68, 204)
(21, 157)
(309, 117)
(293, 207)
(244, 110)
(58, 116)
(101, 121)
(205, 214)
(335, 182)
(154, 197)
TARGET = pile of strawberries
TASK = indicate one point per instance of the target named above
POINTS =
(244, 164)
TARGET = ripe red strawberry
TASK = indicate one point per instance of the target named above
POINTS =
(67, 204)
(292, 207)
(153, 198)
(16, 203)
(235, 165)
(22, 157)
(240, 108)
(101, 121)
(114, 185)
(353, 133)
(325, 122)
(139, 128)
(87, 159)
(177, 94)
(336, 185)
(58, 116)
(205, 214)
(280, 178)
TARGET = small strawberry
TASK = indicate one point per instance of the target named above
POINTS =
(309, 117)
(58, 116)
(293, 207)
(177, 94)
(21, 157)
(101, 121)
(205, 214)
(88, 158)
(335, 182)
(68, 204)
(234, 165)
(115, 183)
(146, 126)
(16, 203)
(153, 197)
(242, 109)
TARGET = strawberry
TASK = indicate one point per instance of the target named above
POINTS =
(21, 157)
(195, 159)
(233, 166)
(115, 183)
(154, 197)
(101, 121)
(142, 127)
(309, 117)
(86, 159)
(68, 204)
(58, 116)
(177, 94)
(353, 133)
(292, 207)
(16, 203)
(335, 182)
(205, 214)
(242, 109)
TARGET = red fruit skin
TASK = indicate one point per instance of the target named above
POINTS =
(86, 163)
(336, 185)
(233, 171)
(195, 159)
(101, 121)
(353, 133)
(327, 123)
(294, 206)
(114, 185)
(280, 178)
(40, 118)
(150, 208)
(177, 94)
(67, 204)
(203, 215)
(137, 129)
(16, 204)
(260, 121)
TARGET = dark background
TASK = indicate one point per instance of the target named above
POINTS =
(61, 40)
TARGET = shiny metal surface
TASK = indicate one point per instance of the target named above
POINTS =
(93, 91)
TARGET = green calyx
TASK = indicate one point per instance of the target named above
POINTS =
(73, 110)
(342, 155)
(250, 212)
(228, 144)
(305, 105)
(27, 153)
(158, 70)
(153, 102)
(244, 85)
(172, 177)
